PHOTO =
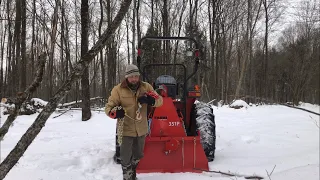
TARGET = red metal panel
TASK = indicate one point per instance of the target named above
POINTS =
(166, 122)
(188, 157)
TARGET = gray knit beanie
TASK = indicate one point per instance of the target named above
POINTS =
(131, 70)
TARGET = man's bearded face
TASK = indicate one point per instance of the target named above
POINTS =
(134, 80)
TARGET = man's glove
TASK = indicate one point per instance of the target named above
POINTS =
(117, 112)
(147, 99)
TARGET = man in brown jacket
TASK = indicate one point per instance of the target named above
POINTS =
(128, 97)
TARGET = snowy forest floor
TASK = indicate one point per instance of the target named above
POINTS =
(250, 141)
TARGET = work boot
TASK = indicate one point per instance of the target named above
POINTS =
(116, 159)
(134, 168)
(127, 172)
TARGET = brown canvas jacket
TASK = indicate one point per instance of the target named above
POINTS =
(122, 95)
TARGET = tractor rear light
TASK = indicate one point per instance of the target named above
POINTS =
(139, 52)
(197, 53)
(197, 87)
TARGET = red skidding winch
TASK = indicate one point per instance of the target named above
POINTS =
(181, 134)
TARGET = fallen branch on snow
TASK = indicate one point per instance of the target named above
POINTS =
(301, 109)
(315, 122)
(233, 174)
(269, 175)
(70, 104)
(62, 113)
(38, 103)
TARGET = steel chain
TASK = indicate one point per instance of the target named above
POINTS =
(120, 122)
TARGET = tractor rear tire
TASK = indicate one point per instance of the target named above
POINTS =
(205, 124)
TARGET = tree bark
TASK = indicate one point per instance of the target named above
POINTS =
(128, 40)
(33, 38)
(245, 54)
(85, 88)
(40, 121)
(17, 41)
(8, 90)
(266, 57)
(2, 41)
(23, 66)
(66, 41)
(52, 50)
(138, 20)
(212, 27)
(166, 32)
(133, 44)
(183, 8)
(102, 65)
(111, 53)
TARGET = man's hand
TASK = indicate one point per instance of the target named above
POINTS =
(117, 112)
(147, 99)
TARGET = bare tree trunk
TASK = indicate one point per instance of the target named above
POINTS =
(52, 48)
(17, 41)
(77, 49)
(152, 14)
(62, 45)
(66, 41)
(2, 81)
(41, 120)
(252, 87)
(217, 59)
(166, 32)
(128, 40)
(245, 53)
(225, 68)
(133, 44)
(102, 65)
(86, 112)
(212, 26)
(183, 8)
(111, 53)
(33, 38)
(23, 67)
(266, 57)
(138, 20)
(8, 90)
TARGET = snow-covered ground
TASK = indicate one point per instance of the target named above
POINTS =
(250, 141)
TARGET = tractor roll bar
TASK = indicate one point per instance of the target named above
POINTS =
(166, 38)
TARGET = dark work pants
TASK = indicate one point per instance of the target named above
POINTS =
(131, 149)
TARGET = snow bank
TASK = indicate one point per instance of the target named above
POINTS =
(38, 102)
(238, 104)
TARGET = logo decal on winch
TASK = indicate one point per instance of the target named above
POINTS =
(161, 118)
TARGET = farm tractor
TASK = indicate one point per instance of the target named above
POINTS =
(182, 133)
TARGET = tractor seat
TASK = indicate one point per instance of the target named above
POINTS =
(168, 81)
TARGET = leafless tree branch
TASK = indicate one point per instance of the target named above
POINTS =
(22, 97)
